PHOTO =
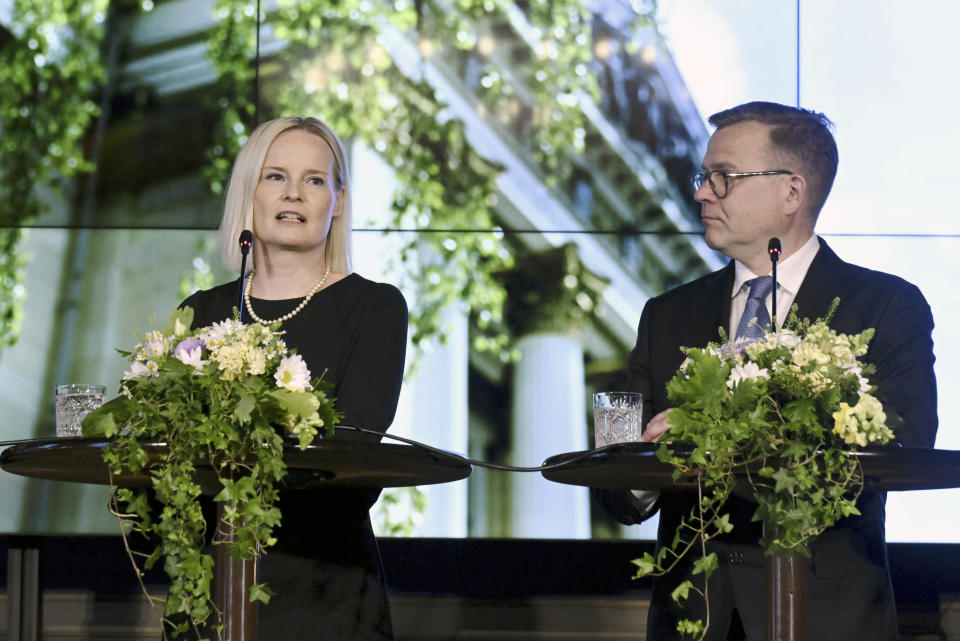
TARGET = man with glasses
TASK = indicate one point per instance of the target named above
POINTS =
(766, 174)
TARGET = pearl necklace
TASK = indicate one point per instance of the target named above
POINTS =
(285, 317)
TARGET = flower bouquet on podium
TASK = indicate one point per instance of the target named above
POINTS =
(782, 411)
(222, 397)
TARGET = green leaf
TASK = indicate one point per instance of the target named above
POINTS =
(723, 524)
(785, 481)
(297, 403)
(645, 565)
(682, 591)
(688, 627)
(260, 592)
(106, 420)
(245, 407)
(182, 317)
(706, 565)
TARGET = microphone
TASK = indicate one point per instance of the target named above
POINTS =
(246, 242)
(774, 249)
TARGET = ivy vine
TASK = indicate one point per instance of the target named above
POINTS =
(334, 64)
(50, 70)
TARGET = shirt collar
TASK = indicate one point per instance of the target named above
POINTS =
(790, 271)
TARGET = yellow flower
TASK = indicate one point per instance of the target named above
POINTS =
(809, 353)
(257, 360)
(863, 423)
(230, 360)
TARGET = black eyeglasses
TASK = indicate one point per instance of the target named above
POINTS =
(722, 187)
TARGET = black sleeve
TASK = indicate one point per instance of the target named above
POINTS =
(624, 505)
(369, 387)
(640, 374)
(211, 306)
(902, 351)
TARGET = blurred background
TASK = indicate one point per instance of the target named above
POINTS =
(521, 170)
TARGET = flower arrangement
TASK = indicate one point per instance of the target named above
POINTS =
(783, 411)
(222, 398)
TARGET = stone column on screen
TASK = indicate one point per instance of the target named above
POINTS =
(551, 296)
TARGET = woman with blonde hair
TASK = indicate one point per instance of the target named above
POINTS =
(290, 185)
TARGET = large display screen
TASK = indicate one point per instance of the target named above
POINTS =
(521, 172)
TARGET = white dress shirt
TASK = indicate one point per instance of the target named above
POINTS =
(790, 274)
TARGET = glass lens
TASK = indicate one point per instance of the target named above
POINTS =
(718, 183)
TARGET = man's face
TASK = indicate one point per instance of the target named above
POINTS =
(755, 208)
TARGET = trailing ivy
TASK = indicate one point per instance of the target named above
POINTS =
(232, 44)
(49, 72)
(334, 64)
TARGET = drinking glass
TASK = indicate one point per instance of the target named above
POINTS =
(617, 417)
(74, 402)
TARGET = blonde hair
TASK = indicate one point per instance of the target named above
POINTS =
(238, 204)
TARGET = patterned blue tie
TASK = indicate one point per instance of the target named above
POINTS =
(756, 309)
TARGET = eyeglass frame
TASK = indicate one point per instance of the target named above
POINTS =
(702, 177)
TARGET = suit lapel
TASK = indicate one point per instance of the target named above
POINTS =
(711, 309)
(825, 280)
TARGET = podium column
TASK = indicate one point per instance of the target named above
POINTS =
(24, 594)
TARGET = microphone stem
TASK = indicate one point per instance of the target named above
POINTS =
(773, 299)
(243, 277)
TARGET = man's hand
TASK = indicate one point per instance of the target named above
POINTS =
(656, 428)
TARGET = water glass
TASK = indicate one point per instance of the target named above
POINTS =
(617, 417)
(74, 402)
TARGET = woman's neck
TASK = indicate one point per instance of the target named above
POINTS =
(293, 276)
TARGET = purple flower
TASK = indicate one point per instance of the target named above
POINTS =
(731, 349)
(188, 345)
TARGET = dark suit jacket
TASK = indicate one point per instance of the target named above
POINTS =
(848, 591)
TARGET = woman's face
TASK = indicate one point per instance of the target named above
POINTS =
(296, 197)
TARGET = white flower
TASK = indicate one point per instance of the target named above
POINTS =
(293, 374)
(138, 369)
(191, 357)
(179, 329)
(747, 371)
(216, 334)
(755, 349)
(788, 339)
(155, 347)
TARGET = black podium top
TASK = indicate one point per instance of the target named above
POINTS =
(325, 463)
(635, 466)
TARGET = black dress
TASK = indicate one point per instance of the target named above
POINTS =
(325, 569)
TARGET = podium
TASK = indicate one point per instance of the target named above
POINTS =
(635, 466)
(340, 462)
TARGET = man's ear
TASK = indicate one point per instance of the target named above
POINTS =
(796, 194)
